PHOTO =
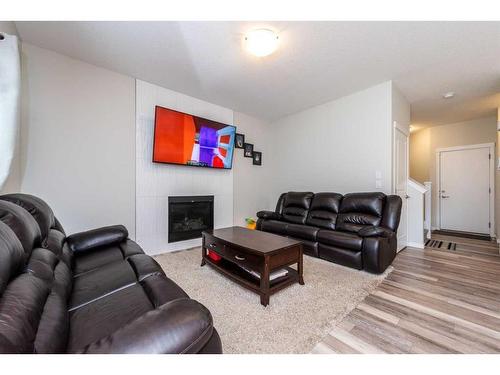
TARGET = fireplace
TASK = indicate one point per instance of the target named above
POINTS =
(188, 216)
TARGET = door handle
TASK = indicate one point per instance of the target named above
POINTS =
(445, 196)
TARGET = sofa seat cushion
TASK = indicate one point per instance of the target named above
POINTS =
(103, 316)
(302, 231)
(90, 260)
(100, 282)
(275, 226)
(112, 277)
(340, 239)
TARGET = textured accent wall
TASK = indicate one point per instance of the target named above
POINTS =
(156, 182)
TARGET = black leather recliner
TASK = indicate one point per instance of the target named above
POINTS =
(91, 292)
(357, 230)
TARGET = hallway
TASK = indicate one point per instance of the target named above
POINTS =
(435, 301)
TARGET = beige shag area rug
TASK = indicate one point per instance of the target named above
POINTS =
(295, 319)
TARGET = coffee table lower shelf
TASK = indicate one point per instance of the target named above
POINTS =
(243, 278)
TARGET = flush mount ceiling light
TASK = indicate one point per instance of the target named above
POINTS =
(448, 95)
(261, 42)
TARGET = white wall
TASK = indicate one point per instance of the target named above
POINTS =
(8, 27)
(156, 182)
(337, 146)
(78, 140)
(13, 182)
(401, 112)
(251, 182)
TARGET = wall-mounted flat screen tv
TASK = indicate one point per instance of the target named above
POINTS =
(185, 139)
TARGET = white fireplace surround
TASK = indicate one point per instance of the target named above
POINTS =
(156, 182)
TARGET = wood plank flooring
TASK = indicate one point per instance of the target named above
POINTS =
(434, 301)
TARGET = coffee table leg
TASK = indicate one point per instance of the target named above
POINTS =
(264, 283)
(300, 266)
(203, 253)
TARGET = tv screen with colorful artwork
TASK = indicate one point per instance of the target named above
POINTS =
(185, 139)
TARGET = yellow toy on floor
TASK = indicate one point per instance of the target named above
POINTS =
(251, 223)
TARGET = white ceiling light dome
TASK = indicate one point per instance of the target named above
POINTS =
(261, 42)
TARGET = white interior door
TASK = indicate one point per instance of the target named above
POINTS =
(401, 182)
(464, 195)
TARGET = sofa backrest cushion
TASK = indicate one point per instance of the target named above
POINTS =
(37, 207)
(22, 224)
(324, 210)
(35, 284)
(12, 256)
(358, 210)
(296, 206)
(279, 205)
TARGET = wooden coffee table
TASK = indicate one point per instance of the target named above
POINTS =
(257, 251)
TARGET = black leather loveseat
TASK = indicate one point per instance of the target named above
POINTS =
(92, 292)
(356, 230)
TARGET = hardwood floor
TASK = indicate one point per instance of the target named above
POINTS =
(435, 301)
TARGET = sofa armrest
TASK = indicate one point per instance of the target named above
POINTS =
(177, 327)
(378, 253)
(84, 241)
(268, 215)
(374, 231)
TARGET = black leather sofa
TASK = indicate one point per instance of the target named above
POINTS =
(91, 292)
(357, 230)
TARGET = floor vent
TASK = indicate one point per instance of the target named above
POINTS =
(437, 244)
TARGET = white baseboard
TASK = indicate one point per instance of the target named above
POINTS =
(415, 244)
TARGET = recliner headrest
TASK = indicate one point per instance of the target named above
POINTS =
(366, 203)
(11, 255)
(22, 224)
(298, 199)
(326, 201)
(37, 208)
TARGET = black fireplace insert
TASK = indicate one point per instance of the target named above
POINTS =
(188, 216)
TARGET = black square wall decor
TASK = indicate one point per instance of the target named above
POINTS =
(257, 158)
(239, 140)
(248, 150)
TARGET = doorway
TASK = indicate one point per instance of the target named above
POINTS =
(465, 189)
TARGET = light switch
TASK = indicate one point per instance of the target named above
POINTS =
(378, 175)
(378, 184)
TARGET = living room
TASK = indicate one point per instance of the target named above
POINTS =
(239, 187)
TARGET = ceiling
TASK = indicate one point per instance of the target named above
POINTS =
(315, 63)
